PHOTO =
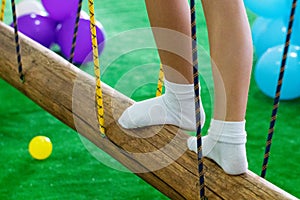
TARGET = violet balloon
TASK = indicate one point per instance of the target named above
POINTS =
(37, 27)
(60, 10)
(83, 48)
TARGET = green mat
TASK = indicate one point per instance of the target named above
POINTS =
(71, 172)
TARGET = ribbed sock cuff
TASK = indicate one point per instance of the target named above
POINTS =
(228, 132)
(178, 88)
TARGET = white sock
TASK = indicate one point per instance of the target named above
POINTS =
(175, 107)
(225, 144)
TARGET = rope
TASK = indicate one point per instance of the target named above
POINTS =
(278, 90)
(160, 81)
(99, 99)
(20, 67)
(2, 10)
(197, 99)
(75, 31)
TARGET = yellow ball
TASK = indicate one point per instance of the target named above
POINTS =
(40, 147)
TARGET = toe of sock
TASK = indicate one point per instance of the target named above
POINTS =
(125, 121)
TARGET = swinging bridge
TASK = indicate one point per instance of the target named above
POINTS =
(51, 81)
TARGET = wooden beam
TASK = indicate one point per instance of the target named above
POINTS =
(157, 154)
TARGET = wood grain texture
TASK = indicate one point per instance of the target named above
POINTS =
(157, 154)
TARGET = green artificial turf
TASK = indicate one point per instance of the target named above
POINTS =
(71, 172)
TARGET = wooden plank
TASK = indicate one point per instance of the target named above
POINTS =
(157, 154)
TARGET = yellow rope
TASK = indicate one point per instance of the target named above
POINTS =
(99, 98)
(2, 10)
(160, 82)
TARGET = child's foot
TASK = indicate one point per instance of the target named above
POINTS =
(225, 144)
(175, 107)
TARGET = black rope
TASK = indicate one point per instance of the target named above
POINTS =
(278, 90)
(75, 32)
(19, 59)
(197, 99)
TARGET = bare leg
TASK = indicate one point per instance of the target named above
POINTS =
(170, 22)
(231, 54)
(173, 15)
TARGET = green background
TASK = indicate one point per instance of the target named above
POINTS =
(71, 172)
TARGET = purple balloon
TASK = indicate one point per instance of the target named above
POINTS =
(39, 28)
(60, 10)
(83, 49)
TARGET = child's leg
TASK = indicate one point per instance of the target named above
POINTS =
(172, 15)
(231, 54)
(170, 20)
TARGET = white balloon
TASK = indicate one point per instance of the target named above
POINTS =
(30, 6)
(84, 15)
